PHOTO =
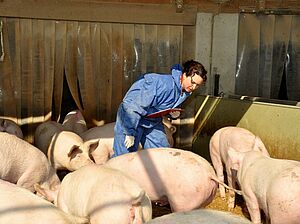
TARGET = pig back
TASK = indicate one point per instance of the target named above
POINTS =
(283, 195)
(176, 174)
(20, 159)
(22, 206)
(239, 138)
(101, 193)
(17, 155)
(200, 216)
(273, 183)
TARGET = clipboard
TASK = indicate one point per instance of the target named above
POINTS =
(163, 112)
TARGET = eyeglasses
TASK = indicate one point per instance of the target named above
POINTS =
(194, 83)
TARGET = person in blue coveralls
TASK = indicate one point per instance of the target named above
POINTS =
(150, 93)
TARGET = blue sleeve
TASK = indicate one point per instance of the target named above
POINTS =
(139, 98)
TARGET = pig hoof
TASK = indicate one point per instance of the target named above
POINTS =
(230, 206)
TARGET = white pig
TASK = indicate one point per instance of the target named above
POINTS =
(269, 184)
(74, 121)
(184, 179)
(19, 205)
(242, 140)
(44, 133)
(106, 133)
(67, 151)
(25, 165)
(104, 150)
(11, 127)
(106, 196)
(200, 216)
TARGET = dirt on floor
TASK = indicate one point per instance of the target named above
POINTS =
(217, 204)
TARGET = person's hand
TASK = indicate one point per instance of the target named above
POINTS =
(129, 141)
(175, 114)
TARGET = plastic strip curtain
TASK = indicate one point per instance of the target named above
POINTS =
(268, 56)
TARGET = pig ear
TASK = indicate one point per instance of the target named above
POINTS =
(45, 193)
(258, 144)
(92, 145)
(74, 151)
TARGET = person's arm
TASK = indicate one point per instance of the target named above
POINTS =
(138, 99)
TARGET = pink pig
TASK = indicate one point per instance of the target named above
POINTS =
(105, 196)
(272, 185)
(19, 205)
(67, 151)
(200, 216)
(104, 150)
(184, 179)
(238, 138)
(105, 133)
(25, 165)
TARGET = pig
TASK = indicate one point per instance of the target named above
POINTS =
(106, 133)
(11, 127)
(239, 138)
(104, 150)
(74, 121)
(67, 151)
(181, 178)
(104, 195)
(43, 134)
(18, 205)
(200, 216)
(170, 130)
(25, 165)
(268, 184)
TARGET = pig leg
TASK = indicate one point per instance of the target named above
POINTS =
(231, 183)
(217, 163)
(27, 181)
(252, 205)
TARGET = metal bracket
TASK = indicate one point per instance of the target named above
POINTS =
(179, 6)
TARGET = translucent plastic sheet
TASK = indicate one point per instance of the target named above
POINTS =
(99, 60)
(109, 57)
(268, 56)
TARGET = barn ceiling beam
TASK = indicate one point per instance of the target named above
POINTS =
(119, 12)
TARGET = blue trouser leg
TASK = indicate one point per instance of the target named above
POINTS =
(155, 137)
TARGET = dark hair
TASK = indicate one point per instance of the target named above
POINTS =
(192, 67)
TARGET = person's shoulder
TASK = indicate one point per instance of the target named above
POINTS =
(158, 76)
(176, 67)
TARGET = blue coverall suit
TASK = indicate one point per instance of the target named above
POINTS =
(150, 93)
